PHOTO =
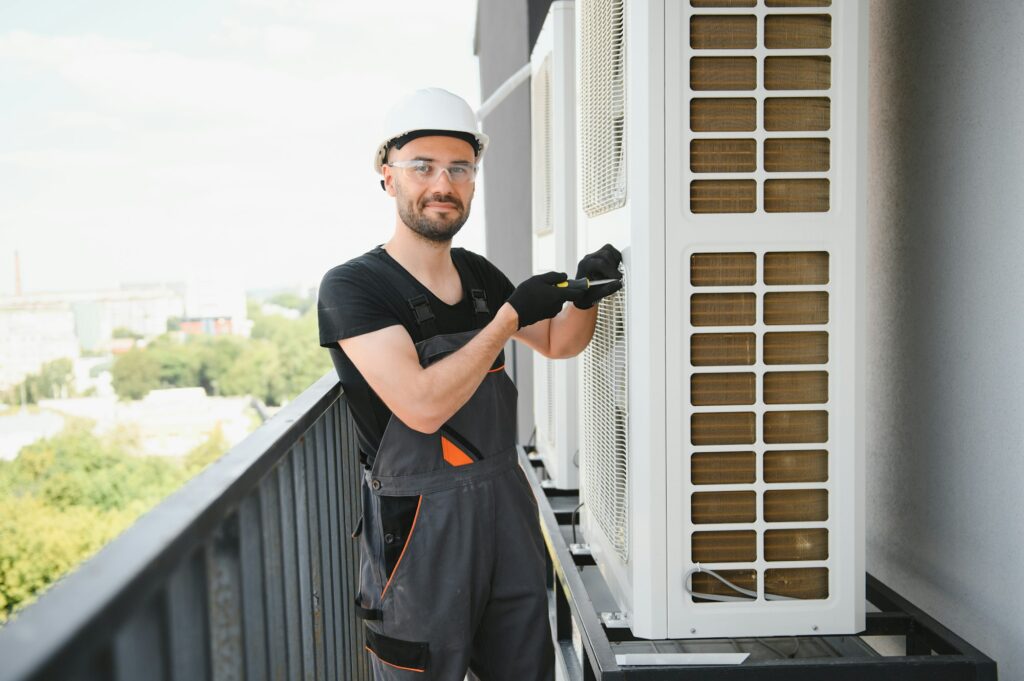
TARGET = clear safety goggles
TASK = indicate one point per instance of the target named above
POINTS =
(426, 172)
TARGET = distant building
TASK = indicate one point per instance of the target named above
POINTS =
(40, 327)
(32, 333)
(37, 328)
(215, 307)
(207, 326)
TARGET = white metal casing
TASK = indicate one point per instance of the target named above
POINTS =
(659, 234)
(554, 230)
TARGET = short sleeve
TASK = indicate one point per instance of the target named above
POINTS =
(348, 305)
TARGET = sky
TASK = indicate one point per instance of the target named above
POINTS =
(163, 141)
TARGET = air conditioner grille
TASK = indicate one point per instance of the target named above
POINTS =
(775, 413)
(731, 74)
(549, 377)
(606, 425)
(602, 105)
(543, 219)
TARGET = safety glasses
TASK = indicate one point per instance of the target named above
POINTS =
(426, 172)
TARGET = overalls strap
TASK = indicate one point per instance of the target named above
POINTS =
(477, 294)
(413, 292)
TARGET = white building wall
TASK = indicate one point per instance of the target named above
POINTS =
(946, 314)
(218, 297)
(144, 312)
(32, 334)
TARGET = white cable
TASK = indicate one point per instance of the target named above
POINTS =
(503, 91)
(687, 579)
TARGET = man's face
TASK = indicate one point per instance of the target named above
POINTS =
(436, 209)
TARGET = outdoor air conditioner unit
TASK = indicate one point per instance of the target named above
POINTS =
(722, 148)
(553, 132)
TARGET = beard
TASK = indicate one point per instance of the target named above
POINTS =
(436, 229)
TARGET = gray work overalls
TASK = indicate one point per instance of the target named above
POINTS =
(461, 585)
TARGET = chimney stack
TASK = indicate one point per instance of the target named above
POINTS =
(17, 274)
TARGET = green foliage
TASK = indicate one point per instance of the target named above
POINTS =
(218, 354)
(282, 359)
(303, 361)
(135, 373)
(125, 332)
(206, 453)
(256, 371)
(39, 543)
(77, 468)
(293, 301)
(64, 497)
(51, 381)
(180, 364)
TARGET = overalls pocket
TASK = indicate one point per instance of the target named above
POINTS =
(398, 516)
(413, 656)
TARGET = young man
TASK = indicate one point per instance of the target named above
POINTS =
(452, 560)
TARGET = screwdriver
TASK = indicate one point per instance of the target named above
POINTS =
(584, 283)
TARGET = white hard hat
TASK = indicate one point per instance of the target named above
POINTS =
(431, 110)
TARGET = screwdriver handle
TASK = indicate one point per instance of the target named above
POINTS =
(581, 284)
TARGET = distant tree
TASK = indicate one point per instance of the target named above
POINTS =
(257, 372)
(135, 373)
(100, 368)
(40, 543)
(125, 332)
(52, 380)
(292, 301)
(64, 497)
(279, 361)
(77, 468)
(218, 354)
(206, 453)
(303, 361)
(180, 364)
(174, 323)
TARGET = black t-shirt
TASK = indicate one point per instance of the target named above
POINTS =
(361, 296)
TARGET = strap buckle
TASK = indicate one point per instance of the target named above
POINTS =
(421, 309)
(479, 301)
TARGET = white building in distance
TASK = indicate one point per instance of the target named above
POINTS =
(32, 333)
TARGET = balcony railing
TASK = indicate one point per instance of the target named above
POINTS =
(246, 572)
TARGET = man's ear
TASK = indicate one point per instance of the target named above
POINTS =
(388, 182)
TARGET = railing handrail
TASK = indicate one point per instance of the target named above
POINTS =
(79, 609)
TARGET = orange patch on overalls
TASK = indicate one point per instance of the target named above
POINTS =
(452, 454)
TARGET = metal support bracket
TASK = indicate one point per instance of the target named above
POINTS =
(616, 620)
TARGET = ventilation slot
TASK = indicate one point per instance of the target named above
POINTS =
(602, 105)
(551, 421)
(722, 349)
(605, 424)
(703, 583)
(733, 114)
(543, 218)
(803, 583)
(722, 468)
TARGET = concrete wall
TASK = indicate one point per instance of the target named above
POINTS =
(502, 34)
(946, 314)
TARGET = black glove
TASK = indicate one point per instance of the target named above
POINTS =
(601, 264)
(538, 298)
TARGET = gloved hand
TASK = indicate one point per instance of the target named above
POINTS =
(538, 298)
(601, 264)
